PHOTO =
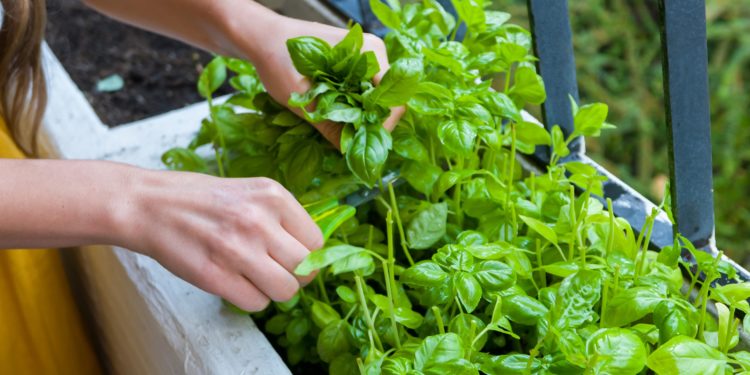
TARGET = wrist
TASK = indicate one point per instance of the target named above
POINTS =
(246, 26)
(125, 217)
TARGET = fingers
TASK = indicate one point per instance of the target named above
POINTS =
(238, 290)
(269, 277)
(289, 253)
(296, 221)
(242, 293)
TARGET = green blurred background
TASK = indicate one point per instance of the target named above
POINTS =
(618, 51)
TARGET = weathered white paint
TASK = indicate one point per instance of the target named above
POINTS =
(149, 321)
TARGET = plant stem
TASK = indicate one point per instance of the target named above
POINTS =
(366, 311)
(322, 288)
(457, 196)
(438, 319)
(648, 228)
(399, 224)
(512, 162)
(540, 264)
(391, 305)
(611, 237)
(390, 281)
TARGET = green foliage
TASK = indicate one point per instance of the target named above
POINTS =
(472, 266)
(618, 58)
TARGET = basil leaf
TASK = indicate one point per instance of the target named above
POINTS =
(212, 77)
(438, 349)
(387, 16)
(427, 227)
(528, 87)
(333, 340)
(424, 274)
(398, 84)
(324, 257)
(368, 152)
(468, 289)
(589, 119)
(685, 355)
(540, 228)
(457, 136)
(494, 275)
(309, 54)
(615, 351)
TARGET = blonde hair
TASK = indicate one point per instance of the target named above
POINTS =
(23, 94)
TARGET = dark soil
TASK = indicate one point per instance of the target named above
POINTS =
(159, 73)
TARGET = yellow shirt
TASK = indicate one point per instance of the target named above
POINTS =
(41, 329)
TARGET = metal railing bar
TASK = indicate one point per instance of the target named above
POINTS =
(685, 60)
(553, 45)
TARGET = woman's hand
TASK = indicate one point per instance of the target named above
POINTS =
(274, 65)
(237, 238)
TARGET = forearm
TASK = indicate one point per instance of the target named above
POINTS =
(213, 25)
(49, 203)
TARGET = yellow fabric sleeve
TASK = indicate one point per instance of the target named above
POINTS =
(41, 329)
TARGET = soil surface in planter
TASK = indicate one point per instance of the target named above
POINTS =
(159, 74)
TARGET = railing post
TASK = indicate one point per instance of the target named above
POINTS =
(553, 45)
(685, 60)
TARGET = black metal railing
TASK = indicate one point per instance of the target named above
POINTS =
(684, 48)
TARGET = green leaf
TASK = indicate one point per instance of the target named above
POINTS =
(457, 136)
(615, 351)
(323, 314)
(398, 85)
(468, 289)
(331, 220)
(521, 308)
(731, 294)
(355, 262)
(673, 320)
(467, 326)
(368, 152)
(182, 159)
(324, 257)
(297, 329)
(589, 119)
(333, 340)
(421, 175)
(431, 99)
(438, 349)
(303, 165)
(632, 304)
(494, 275)
(532, 134)
(309, 54)
(528, 87)
(576, 298)
(346, 294)
(686, 356)
(303, 100)
(540, 228)
(407, 318)
(385, 14)
(559, 147)
(343, 55)
(500, 104)
(471, 12)
(407, 145)
(427, 227)
(212, 77)
(424, 274)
